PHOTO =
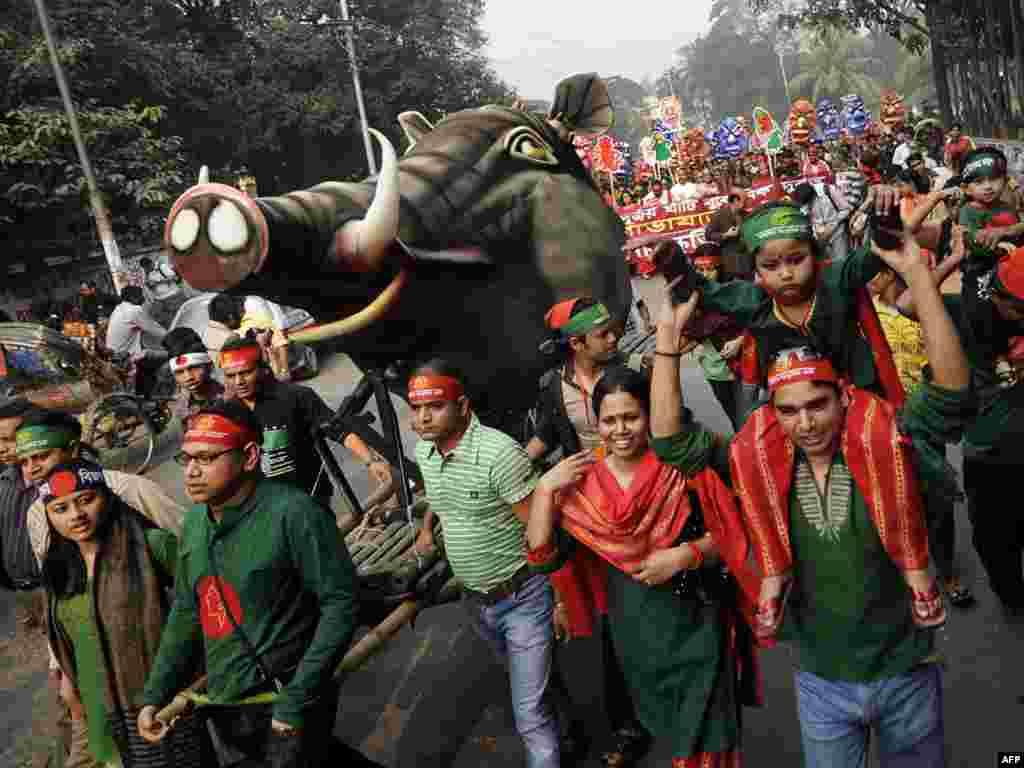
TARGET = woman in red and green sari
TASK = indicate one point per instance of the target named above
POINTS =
(674, 610)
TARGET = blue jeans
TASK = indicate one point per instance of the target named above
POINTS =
(905, 712)
(519, 631)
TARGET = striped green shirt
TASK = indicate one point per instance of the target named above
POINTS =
(472, 491)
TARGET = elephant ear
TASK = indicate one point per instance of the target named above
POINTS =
(582, 104)
(415, 126)
(527, 144)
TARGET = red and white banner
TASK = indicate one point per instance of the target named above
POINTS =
(682, 220)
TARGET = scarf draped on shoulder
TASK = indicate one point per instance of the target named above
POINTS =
(879, 458)
(623, 526)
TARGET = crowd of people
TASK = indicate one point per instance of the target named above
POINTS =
(831, 329)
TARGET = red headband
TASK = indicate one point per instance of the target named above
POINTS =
(708, 259)
(792, 369)
(559, 314)
(215, 429)
(240, 357)
(424, 389)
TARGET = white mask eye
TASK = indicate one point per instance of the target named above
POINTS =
(185, 230)
(227, 228)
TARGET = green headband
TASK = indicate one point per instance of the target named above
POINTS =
(29, 440)
(782, 222)
(586, 321)
(984, 166)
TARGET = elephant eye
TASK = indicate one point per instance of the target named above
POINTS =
(227, 228)
(526, 144)
(185, 230)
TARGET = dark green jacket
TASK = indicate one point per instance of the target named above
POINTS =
(285, 568)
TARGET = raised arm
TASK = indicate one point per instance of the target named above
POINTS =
(666, 388)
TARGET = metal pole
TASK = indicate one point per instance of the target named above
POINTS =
(99, 211)
(785, 79)
(350, 45)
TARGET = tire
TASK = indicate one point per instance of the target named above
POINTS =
(120, 433)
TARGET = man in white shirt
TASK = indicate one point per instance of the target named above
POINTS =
(162, 288)
(903, 150)
(128, 323)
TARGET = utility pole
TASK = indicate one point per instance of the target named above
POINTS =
(99, 209)
(350, 45)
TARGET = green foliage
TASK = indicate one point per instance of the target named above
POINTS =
(729, 70)
(899, 18)
(261, 86)
(834, 64)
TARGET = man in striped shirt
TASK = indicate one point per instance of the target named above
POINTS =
(479, 482)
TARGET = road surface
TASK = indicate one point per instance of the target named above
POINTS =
(435, 697)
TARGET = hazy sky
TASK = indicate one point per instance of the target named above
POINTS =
(535, 43)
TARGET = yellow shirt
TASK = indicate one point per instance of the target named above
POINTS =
(907, 343)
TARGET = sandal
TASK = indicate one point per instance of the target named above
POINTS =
(631, 744)
(771, 611)
(959, 595)
(928, 608)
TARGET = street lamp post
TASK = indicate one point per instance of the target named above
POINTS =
(350, 46)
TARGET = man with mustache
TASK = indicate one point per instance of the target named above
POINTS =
(830, 481)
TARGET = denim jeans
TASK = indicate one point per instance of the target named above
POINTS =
(905, 713)
(519, 631)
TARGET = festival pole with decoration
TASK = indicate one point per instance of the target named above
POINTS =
(769, 135)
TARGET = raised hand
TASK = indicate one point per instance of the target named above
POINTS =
(567, 472)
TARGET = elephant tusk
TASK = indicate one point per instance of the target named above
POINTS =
(362, 245)
(360, 320)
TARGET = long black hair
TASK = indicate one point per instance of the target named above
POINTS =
(619, 378)
(64, 573)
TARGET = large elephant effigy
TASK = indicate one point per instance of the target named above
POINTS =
(456, 250)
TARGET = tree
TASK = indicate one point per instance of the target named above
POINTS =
(976, 47)
(43, 199)
(835, 63)
(255, 85)
(630, 99)
(730, 69)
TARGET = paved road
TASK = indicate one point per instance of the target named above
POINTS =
(436, 698)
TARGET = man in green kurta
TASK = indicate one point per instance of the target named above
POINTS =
(265, 595)
(863, 656)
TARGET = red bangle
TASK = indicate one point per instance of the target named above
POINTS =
(697, 554)
(541, 555)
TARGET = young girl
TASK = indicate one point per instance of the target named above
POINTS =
(106, 573)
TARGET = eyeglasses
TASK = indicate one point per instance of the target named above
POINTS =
(203, 459)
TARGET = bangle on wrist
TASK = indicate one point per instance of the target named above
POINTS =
(659, 353)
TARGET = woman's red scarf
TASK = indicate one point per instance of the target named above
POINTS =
(880, 462)
(623, 526)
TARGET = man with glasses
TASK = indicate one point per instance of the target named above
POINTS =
(265, 592)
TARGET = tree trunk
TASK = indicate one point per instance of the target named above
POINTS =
(939, 68)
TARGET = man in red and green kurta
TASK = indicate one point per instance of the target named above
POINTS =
(829, 478)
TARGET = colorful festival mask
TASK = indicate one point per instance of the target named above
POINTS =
(732, 141)
(802, 121)
(893, 112)
(829, 125)
(855, 118)
(766, 131)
